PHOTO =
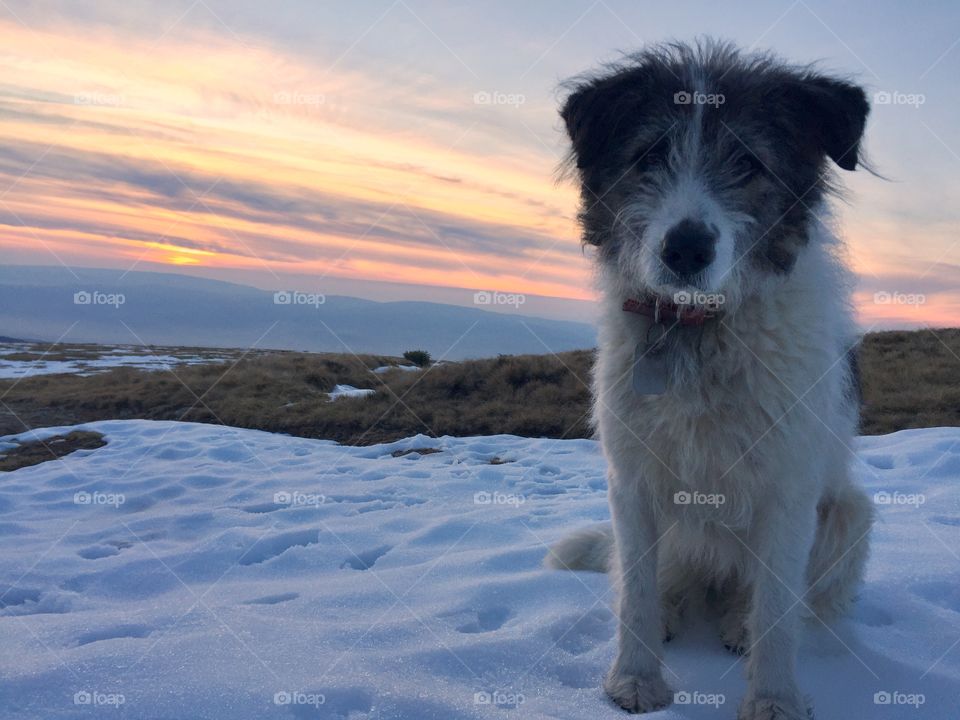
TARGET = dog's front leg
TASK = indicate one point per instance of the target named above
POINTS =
(779, 545)
(635, 681)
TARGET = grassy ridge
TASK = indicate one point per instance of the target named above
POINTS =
(910, 379)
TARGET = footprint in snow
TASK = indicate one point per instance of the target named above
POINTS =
(578, 634)
(487, 620)
(273, 599)
(116, 632)
(19, 596)
(270, 547)
(880, 462)
(578, 675)
(366, 559)
(95, 552)
(31, 601)
(176, 453)
(263, 508)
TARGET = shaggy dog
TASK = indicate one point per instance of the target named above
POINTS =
(724, 388)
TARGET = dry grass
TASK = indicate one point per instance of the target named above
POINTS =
(35, 452)
(286, 392)
(910, 380)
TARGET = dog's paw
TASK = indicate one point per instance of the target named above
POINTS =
(773, 709)
(733, 633)
(671, 618)
(638, 693)
(735, 637)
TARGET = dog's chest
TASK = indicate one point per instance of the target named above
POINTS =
(706, 468)
(707, 450)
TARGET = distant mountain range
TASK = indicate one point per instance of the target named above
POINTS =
(102, 306)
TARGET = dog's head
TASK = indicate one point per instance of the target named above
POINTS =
(700, 166)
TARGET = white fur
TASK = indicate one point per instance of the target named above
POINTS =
(688, 197)
(763, 423)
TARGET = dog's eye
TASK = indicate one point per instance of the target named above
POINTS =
(747, 167)
(649, 156)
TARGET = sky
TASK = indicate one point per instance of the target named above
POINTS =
(405, 148)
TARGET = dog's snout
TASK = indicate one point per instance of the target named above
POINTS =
(688, 248)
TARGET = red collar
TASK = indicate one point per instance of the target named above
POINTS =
(666, 311)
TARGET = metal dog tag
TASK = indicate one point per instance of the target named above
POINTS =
(649, 368)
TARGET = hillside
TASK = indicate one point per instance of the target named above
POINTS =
(910, 380)
(107, 307)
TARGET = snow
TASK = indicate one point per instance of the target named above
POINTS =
(112, 358)
(387, 368)
(199, 571)
(340, 391)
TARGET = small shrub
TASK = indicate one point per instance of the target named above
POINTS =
(420, 358)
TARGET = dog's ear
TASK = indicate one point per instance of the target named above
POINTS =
(834, 112)
(594, 117)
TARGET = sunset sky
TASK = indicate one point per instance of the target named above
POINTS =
(416, 142)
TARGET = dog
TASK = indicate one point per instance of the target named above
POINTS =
(724, 389)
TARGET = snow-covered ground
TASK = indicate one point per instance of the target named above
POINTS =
(387, 368)
(340, 391)
(197, 571)
(89, 364)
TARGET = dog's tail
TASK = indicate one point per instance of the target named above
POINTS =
(589, 549)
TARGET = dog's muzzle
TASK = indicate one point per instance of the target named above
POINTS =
(688, 248)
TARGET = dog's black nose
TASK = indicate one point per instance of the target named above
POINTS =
(688, 248)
